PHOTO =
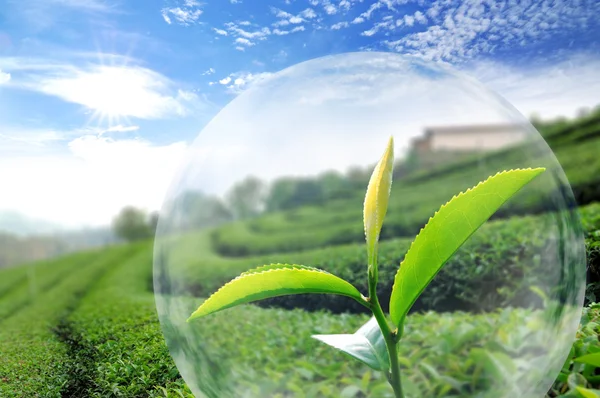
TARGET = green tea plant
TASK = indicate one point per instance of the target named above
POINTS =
(376, 342)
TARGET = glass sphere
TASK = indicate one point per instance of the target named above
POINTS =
(279, 176)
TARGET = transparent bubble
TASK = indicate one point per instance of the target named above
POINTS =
(279, 176)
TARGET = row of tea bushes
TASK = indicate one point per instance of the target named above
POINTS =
(33, 355)
(495, 267)
(117, 346)
(96, 334)
(410, 207)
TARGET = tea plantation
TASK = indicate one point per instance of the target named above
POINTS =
(86, 324)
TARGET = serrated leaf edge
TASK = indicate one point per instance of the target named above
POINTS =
(283, 267)
(448, 202)
(275, 266)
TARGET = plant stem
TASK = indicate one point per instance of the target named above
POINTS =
(388, 335)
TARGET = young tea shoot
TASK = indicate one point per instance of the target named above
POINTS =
(376, 342)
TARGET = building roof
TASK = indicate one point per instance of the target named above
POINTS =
(472, 129)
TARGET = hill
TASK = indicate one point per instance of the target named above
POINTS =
(417, 194)
(86, 324)
(15, 223)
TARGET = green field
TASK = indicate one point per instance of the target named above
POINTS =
(86, 324)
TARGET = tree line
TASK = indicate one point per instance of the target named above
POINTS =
(246, 199)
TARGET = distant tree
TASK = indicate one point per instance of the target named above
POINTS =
(196, 210)
(131, 224)
(288, 193)
(307, 191)
(358, 177)
(412, 161)
(334, 185)
(153, 221)
(280, 193)
(247, 198)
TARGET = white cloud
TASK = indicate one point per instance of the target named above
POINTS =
(345, 4)
(387, 23)
(362, 100)
(339, 25)
(91, 5)
(241, 81)
(244, 37)
(283, 22)
(329, 8)
(285, 18)
(280, 13)
(308, 13)
(461, 30)
(420, 17)
(375, 6)
(549, 90)
(245, 42)
(107, 90)
(45, 14)
(4, 77)
(120, 91)
(90, 183)
(209, 71)
(13, 139)
(119, 128)
(187, 14)
(369, 32)
(220, 32)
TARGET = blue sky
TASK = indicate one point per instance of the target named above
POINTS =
(95, 94)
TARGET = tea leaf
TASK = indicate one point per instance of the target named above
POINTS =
(590, 359)
(367, 345)
(376, 201)
(587, 393)
(447, 230)
(275, 280)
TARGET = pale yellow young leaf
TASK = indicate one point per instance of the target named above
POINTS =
(377, 198)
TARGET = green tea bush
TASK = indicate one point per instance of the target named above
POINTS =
(117, 345)
(575, 146)
(33, 356)
(33, 280)
(490, 269)
(317, 371)
(111, 317)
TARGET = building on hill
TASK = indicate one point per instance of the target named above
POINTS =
(444, 143)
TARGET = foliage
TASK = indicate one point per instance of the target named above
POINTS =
(33, 357)
(443, 235)
(133, 224)
(116, 313)
(495, 267)
(93, 323)
(246, 198)
(194, 210)
(447, 231)
(418, 195)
